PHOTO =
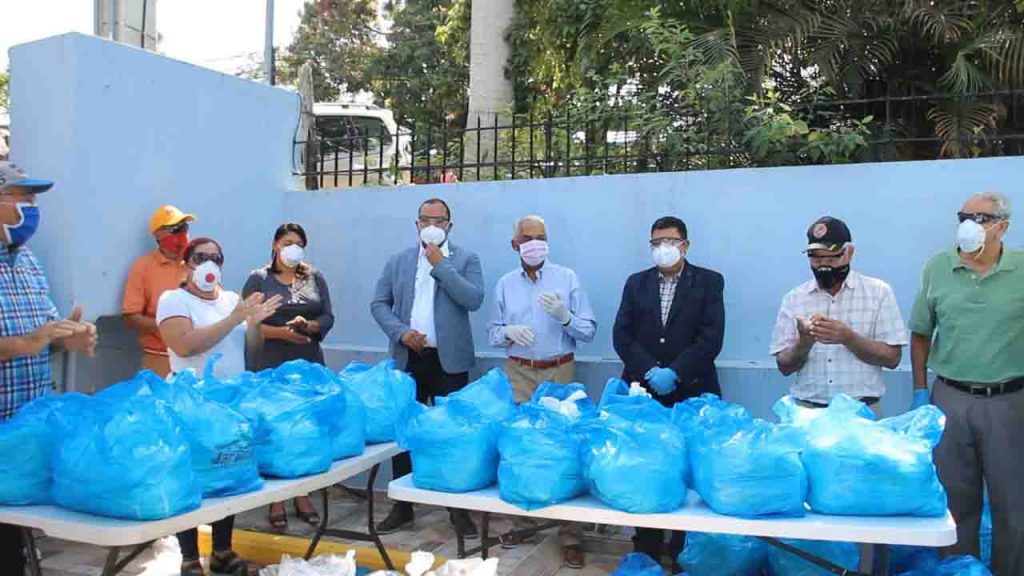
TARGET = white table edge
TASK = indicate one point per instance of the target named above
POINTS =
(74, 526)
(696, 516)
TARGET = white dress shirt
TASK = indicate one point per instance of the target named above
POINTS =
(422, 316)
(865, 304)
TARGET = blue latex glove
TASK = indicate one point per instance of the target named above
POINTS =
(662, 380)
(921, 398)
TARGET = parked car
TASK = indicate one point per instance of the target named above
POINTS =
(353, 145)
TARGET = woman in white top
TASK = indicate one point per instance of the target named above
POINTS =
(198, 320)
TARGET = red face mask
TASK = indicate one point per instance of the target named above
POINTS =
(174, 243)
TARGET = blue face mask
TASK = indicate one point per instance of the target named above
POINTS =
(18, 234)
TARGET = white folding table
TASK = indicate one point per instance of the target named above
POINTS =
(116, 534)
(697, 517)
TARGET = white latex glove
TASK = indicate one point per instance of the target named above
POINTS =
(555, 306)
(520, 334)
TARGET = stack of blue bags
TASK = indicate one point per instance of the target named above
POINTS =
(148, 448)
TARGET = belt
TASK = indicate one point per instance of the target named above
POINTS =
(975, 389)
(544, 364)
(869, 400)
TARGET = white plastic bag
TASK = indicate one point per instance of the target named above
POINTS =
(420, 563)
(635, 389)
(326, 565)
(565, 407)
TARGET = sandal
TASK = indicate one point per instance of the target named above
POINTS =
(232, 564)
(192, 568)
(278, 522)
(309, 517)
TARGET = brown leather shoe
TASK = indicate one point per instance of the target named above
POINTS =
(572, 557)
(510, 540)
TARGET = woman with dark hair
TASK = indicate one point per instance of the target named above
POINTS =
(198, 320)
(296, 329)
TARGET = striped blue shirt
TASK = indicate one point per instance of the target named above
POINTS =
(25, 305)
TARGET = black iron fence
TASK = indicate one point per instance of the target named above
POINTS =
(510, 147)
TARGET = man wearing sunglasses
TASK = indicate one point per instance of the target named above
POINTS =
(838, 330)
(422, 303)
(968, 328)
(30, 325)
(151, 275)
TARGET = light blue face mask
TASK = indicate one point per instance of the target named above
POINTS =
(18, 234)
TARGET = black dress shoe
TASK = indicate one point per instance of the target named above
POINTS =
(463, 524)
(400, 517)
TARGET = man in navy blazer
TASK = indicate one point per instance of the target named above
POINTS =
(422, 303)
(668, 331)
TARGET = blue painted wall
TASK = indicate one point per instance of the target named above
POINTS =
(124, 131)
(750, 225)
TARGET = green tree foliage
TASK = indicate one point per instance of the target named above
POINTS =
(339, 39)
(5, 79)
(424, 74)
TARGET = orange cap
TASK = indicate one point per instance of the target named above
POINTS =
(168, 216)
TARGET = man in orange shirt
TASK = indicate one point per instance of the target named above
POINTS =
(151, 275)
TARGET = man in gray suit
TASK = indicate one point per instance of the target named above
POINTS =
(422, 303)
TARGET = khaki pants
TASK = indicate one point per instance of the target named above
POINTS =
(157, 363)
(525, 381)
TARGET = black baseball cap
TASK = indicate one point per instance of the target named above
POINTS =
(828, 233)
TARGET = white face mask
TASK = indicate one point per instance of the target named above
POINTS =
(970, 236)
(206, 276)
(292, 255)
(433, 235)
(666, 256)
(533, 252)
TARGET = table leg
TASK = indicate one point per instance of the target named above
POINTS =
(324, 520)
(371, 530)
(817, 561)
(485, 535)
(881, 559)
(110, 566)
(30, 549)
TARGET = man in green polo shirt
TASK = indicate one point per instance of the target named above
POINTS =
(968, 328)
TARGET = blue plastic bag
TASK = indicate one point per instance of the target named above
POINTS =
(561, 392)
(783, 563)
(723, 555)
(491, 394)
(131, 461)
(292, 431)
(696, 417)
(858, 467)
(220, 439)
(453, 447)
(540, 461)
(909, 558)
(750, 471)
(27, 442)
(985, 532)
(638, 564)
(954, 566)
(346, 416)
(634, 459)
(386, 392)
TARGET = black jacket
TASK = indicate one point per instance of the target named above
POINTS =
(688, 343)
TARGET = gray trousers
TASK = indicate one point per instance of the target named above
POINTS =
(982, 444)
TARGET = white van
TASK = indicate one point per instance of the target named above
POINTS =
(355, 145)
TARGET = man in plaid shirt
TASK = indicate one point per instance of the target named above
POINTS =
(838, 330)
(29, 322)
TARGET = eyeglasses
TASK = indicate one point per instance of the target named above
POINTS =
(673, 242)
(178, 228)
(200, 258)
(826, 258)
(433, 220)
(979, 217)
